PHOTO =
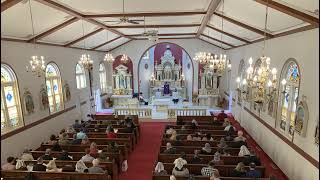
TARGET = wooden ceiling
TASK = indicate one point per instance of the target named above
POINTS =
(60, 22)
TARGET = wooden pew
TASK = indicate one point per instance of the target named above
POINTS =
(135, 118)
(112, 167)
(197, 143)
(203, 131)
(166, 177)
(207, 127)
(190, 149)
(123, 154)
(201, 120)
(184, 136)
(20, 175)
(227, 160)
(224, 170)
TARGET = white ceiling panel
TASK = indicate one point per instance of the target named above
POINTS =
(215, 42)
(217, 35)
(254, 15)
(115, 6)
(303, 5)
(160, 30)
(113, 44)
(70, 32)
(192, 19)
(231, 28)
(16, 21)
(96, 39)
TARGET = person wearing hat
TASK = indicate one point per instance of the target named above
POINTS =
(179, 168)
(206, 149)
(159, 169)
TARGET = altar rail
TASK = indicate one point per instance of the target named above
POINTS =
(141, 112)
(174, 112)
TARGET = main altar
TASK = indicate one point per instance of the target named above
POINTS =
(167, 72)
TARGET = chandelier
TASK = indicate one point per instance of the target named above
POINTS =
(86, 61)
(37, 64)
(262, 80)
(124, 59)
(108, 57)
(203, 57)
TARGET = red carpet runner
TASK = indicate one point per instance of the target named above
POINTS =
(141, 161)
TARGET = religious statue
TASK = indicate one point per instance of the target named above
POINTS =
(67, 94)
(28, 102)
(44, 98)
(301, 118)
(122, 80)
(166, 89)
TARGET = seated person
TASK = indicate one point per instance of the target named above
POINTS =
(239, 171)
(64, 156)
(75, 140)
(95, 167)
(9, 166)
(159, 169)
(27, 155)
(96, 128)
(179, 168)
(81, 134)
(112, 147)
(170, 130)
(94, 149)
(111, 133)
(87, 157)
(56, 147)
(63, 139)
(207, 137)
(222, 144)
(215, 175)
(251, 158)
(141, 99)
(221, 116)
(177, 142)
(52, 139)
(85, 141)
(39, 166)
(173, 136)
(196, 159)
(208, 170)
(216, 158)
(253, 173)
(196, 137)
(61, 132)
(240, 137)
(77, 124)
(169, 149)
(206, 149)
(243, 151)
(103, 156)
(189, 137)
(183, 155)
(71, 130)
(129, 128)
(216, 122)
(47, 155)
(225, 152)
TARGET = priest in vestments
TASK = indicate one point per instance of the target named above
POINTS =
(166, 89)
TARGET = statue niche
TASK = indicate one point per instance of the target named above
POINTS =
(122, 80)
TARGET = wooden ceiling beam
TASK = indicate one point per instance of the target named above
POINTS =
(290, 11)
(83, 37)
(119, 45)
(74, 13)
(218, 40)
(228, 34)
(54, 29)
(146, 14)
(168, 34)
(105, 43)
(211, 43)
(211, 9)
(8, 4)
(156, 26)
(253, 29)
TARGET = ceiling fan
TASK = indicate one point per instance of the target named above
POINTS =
(125, 19)
(152, 34)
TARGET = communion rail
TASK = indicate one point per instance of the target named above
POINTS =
(141, 112)
(174, 112)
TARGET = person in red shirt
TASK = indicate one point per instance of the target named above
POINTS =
(93, 150)
(221, 116)
(111, 133)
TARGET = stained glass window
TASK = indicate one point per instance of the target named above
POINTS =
(80, 77)
(11, 115)
(54, 91)
(293, 73)
(103, 78)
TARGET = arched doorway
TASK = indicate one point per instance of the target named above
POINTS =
(122, 75)
(152, 57)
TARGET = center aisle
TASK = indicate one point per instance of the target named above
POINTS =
(141, 161)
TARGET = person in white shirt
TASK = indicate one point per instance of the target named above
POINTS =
(87, 157)
(26, 155)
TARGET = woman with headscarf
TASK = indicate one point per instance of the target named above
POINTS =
(222, 144)
(159, 169)
(80, 166)
(206, 149)
(179, 168)
(244, 151)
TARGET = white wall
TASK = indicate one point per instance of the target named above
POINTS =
(304, 48)
(18, 55)
(135, 50)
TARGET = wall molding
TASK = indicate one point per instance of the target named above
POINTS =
(313, 161)
(40, 121)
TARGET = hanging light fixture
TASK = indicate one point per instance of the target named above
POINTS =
(203, 57)
(108, 57)
(85, 59)
(37, 64)
(264, 80)
(124, 59)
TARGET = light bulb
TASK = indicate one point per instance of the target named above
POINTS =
(260, 71)
(244, 82)
(238, 79)
(250, 60)
(268, 60)
(269, 83)
(283, 82)
(255, 78)
(274, 71)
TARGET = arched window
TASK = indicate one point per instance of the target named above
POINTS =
(80, 76)
(54, 90)
(241, 70)
(290, 95)
(103, 78)
(11, 115)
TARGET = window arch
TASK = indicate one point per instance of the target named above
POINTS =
(241, 69)
(11, 114)
(289, 95)
(103, 78)
(80, 77)
(54, 89)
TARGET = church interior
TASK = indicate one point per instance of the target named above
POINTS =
(161, 90)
